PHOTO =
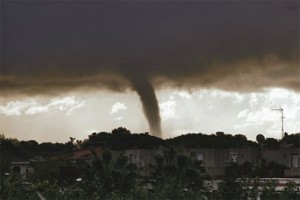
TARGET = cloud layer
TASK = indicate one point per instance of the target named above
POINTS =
(52, 47)
(207, 42)
(34, 107)
(118, 107)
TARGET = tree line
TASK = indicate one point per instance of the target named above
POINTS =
(121, 139)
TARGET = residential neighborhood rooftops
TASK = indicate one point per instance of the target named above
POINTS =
(86, 153)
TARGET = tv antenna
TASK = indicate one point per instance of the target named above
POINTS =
(282, 118)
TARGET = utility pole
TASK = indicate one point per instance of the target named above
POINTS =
(282, 118)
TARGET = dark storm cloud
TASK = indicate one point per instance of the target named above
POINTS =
(57, 46)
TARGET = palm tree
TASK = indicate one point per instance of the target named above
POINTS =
(113, 175)
(177, 176)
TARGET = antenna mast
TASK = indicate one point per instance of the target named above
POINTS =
(282, 118)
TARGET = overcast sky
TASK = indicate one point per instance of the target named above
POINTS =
(69, 68)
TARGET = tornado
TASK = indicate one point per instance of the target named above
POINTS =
(60, 48)
(149, 101)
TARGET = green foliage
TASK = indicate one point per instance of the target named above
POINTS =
(12, 148)
(269, 191)
(120, 131)
(231, 188)
(271, 143)
(253, 170)
(46, 170)
(220, 140)
(251, 188)
(177, 176)
(121, 139)
(290, 192)
(173, 175)
(293, 139)
(114, 175)
(15, 189)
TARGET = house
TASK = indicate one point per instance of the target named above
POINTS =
(289, 157)
(141, 157)
(85, 155)
(215, 160)
(21, 168)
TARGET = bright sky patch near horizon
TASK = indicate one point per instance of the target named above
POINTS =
(206, 111)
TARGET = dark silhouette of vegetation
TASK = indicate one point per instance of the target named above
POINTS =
(111, 175)
(177, 176)
(121, 139)
(271, 143)
(293, 139)
(173, 175)
(231, 188)
(120, 131)
(219, 140)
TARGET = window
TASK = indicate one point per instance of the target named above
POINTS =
(16, 169)
(200, 156)
(294, 160)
